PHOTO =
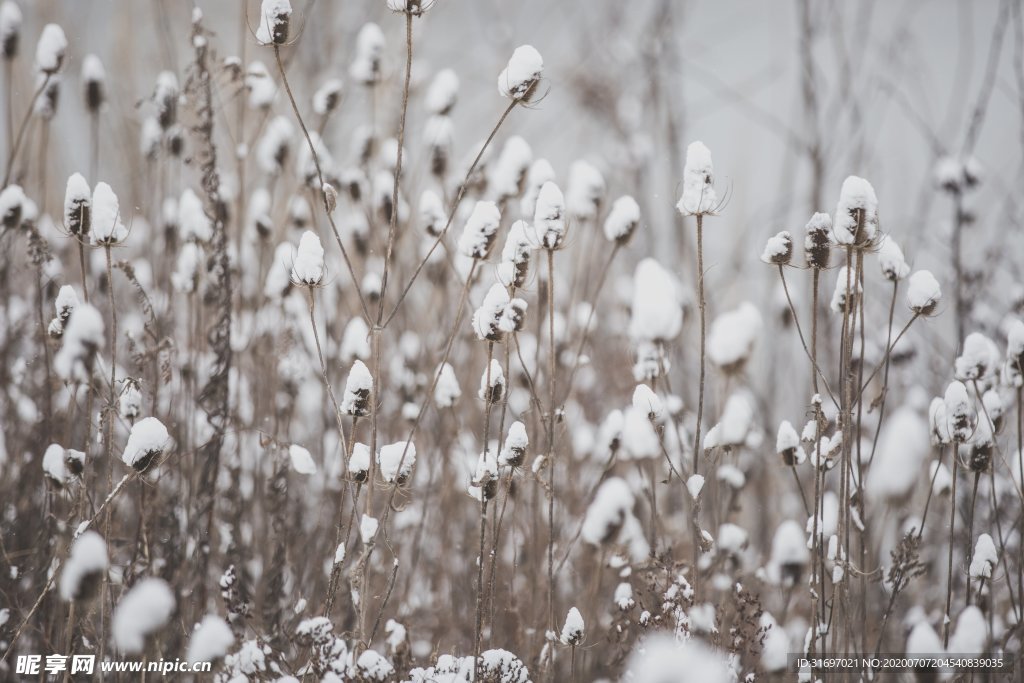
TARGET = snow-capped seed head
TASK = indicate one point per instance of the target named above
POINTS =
(439, 135)
(54, 467)
(301, 459)
(366, 67)
(508, 173)
(891, 261)
(513, 453)
(193, 222)
(585, 190)
(657, 314)
(83, 572)
(646, 400)
(65, 302)
(432, 216)
(261, 86)
(856, 222)
(165, 95)
(359, 463)
(959, 415)
(484, 484)
(50, 49)
(77, 206)
(515, 256)
(107, 227)
(518, 80)
(12, 204)
(694, 485)
(447, 391)
(639, 438)
(275, 17)
(211, 640)
(414, 7)
(513, 316)
(145, 609)
(396, 461)
(789, 552)
(480, 230)
(45, 106)
(778, 250)
(923, 293)
(147, 441)
(356, 401)
(10, 29)
(938, 422)
(274, 147)
(608, 512)
(787, 444)
(82, 339)
(573, 630)
(848, 289)
(442, 93)
(818, 240)
(487, 319)
(327, 97)
(549, 224)
(94, 83)
(699, 196)
(308, 267)
(733, 335)
(978, 360)
(622, 221)
(985, 558)
(492, 383)
(130, 400)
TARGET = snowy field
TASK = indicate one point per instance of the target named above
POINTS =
(438, 341)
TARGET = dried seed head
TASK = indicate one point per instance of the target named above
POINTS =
(923, 293)
(12, 203)
(518, 80)
(856, 221)
(77, 206)
(779, 249)
(50, 49)
(356, 401)
(165, 96)
(275, 17)
(818, 242)
(94, 83)
(622, 220)
(10, 29)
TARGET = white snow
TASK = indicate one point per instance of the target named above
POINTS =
(480, 229)
(699, 196)
(66, 302)
(367, 528)
(260, 84)
(194, 223)
(645, 399)
(540, 173)
(985, 558)
(210, 641)
(923, 292)
(187, 268)
(495, 389)
(524, 69)
(50, 49)
(979, 358)
(355, 341)
(923, 640)
(165, 94)
(609, 518)
(107, 226)
(515, 256)
(10, 22)
(327, 96)
(447, 391)
(358, 387)
(145, 609)
(487, 317)
(775, 650)
(639, 439)
(509, 171)
(359, 463)
(890, 259)
(516, 442)
(573, 629)
(903, 448)
(308, 266)
(778, 249)
(442, 93)
(93, 72)
(53, 464)
(77, 205)
(789, 546)
(396, 461)
(856, 220)
(432, 216)
(12, 203)
(623, 220)
(624, 596)
(732, 538)
(88, 558)
(971, 633)
(662, 658)
(959, 414)
(301, 459)
(735, 423)
(938, 421)
(733, 334)
(365, 68)
(584, 191)
(549, 217)
(147, 438)
(83, 337)
(273, 146)
(274, 18)
(694, 485)
(657, 314)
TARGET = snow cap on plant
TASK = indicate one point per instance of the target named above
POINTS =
(513, 453)
(83, 572)
(358, 386)
(146, 441)
(107, 227)
(480, 230)
(65, 303)
(274, 146)
(985, 558)
(301, 459)
(734, 426)
(83, 337)
(585, 190)
(54, 467)
(327, 96)
(492, 383)
(657, 314)
(50, 49)
(778, 250)
(442, 93)
(10, 29)
(818, 240)
(622, 221)
(260, 84)
(275, 17)
(145, 609)
(518, 80)
(130, 399)
(165, 95)
(94, 83)
(77, 206)
(733, 335)
(959, 415)
(12, 204)
(210, 641)
(645, 399)
(699, 196)
(515, 256)
(978, 360)
(846, 284)
(856, 222)
(414, 7)
(663, 658)
(308, 267)
(193, 222)
(447, 391)
(549, 221)
(484, 484)
(366, 68)
(789, 552)
(573, 630)
(609, 519)
(923, 293)
(540, 172)
(639, 438)
(787, 444)
(508, 173)
(938, 422)
(359, 463)
(396, 461)
(891, 261)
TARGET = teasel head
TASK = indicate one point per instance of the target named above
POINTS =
(818, 242)
(779, 249)
(165, 96)
(10, 29)
(275, 19)
(94, 83)
(78, 206)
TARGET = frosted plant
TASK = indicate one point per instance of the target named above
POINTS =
(549, 220)
(301, 460)
(210, 641)
(778, 250)
(83, 572)
(622, 221)
(275, 17)
(359, 463)
(923, 293)
(515, 256)
(978, 360)
(891, 261)
(12, 203)
(483, 486)
(639, 438)
(442, 93)
(10, 29)
(358, 386)
(959, 414)
(146, 442)
(789, 555)
(518, 80)
(194, 224)
(143, 611)
(260, 84)
(78, 206)
(431, 210)
(366, 67)
(327, 96)
(308, 266)
(733, 335)
(662, 658)
(735, 424)
(53, 466)
(480, 230)
(165, 96)
(492, 383)
(82, 339)
(274, 146)
(50, 49)
(130, 400)
(107, 228)
(818, 241)
(573, 629)
(699, 196)
(657, 315)
(585, 191)
(396, 461)
(903, 448)
(856, 221)
(513, 453)
(540, 172)
(787, 444)
(447, 391)
(508, 173)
